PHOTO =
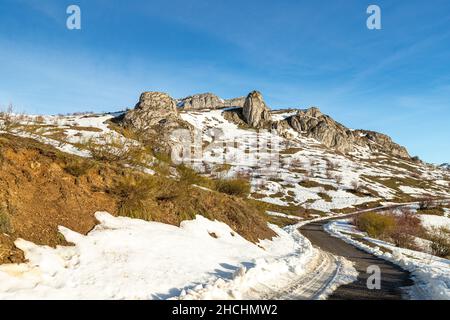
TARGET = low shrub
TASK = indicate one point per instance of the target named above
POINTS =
(375, 224)
(399, 228)
(407, 227)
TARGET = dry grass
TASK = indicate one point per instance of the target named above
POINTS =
(76, 188)
(113, 149)
(5, 221)
(236, 187)
(325, 196)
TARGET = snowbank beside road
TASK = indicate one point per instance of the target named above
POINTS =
(123, 258)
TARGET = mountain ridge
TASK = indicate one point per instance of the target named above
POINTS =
(253, 112)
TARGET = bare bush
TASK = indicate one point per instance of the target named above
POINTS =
(440, 243)
(407, 227)
(401, 228)
(427, 203)
(356, 186)
(8, 120)
(339, 178)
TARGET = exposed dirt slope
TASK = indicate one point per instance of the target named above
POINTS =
(42, 188)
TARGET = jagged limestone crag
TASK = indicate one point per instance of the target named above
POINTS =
(209, 101)
(255, 111)
(315, 124)
(321, 127)
(154, 118)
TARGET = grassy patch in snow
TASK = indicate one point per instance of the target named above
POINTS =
(325, 196)
(290, 150)
(308, 183)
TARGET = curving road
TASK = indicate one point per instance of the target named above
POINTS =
(393, 278)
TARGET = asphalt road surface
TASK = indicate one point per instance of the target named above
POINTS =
(393, 278)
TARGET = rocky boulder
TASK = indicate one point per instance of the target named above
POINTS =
(255, 111)
(154, 118)
(153, 109)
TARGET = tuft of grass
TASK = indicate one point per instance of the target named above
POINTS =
(189, 176)
(78, 167)
(235, 187)
(134, 193)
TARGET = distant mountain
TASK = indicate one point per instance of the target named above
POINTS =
(445, 166)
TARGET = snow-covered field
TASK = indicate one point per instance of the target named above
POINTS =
(125, 258)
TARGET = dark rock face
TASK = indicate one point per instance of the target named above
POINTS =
(332, 134)
(255, 111)
(209, 101)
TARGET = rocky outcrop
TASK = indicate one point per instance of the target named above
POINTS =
(208, 101)
(324, 129)
(315, 124)
(255, 111)
(445, 166)
(201, 101)
(381, 142)
(154, 118)
(234, 102)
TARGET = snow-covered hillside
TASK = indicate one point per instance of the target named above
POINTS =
(298, 177)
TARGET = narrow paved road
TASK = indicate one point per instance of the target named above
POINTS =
(393, 278)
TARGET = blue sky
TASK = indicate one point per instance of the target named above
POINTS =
(297, 53)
